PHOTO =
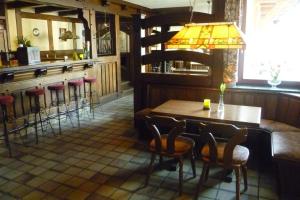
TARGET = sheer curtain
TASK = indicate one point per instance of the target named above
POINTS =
(232, 14)
(273, 41)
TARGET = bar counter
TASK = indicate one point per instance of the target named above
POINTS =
(16, 80)
(46, 64)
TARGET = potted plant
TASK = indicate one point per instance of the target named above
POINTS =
(274, 76)
(23, 42)
(26, 53)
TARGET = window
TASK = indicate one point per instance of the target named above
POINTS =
(105, 36)
(272, 41)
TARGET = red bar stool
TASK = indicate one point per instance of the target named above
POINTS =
(76, 85)
(57, 88)
(90, 81)
(6, 101)
(35, 107)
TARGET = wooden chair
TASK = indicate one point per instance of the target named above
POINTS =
(226, 153)
(170, 144)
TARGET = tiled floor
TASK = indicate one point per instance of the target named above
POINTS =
(103, 160)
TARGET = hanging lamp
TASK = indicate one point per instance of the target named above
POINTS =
(220, 35)
(216, 35)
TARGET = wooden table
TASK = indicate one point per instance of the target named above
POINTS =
(248, 116)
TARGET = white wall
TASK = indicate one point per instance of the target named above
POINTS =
(41, 41)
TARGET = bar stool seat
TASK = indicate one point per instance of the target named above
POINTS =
(75, 83)
(6, 100)
(56, 87)
(35, 92)
(90, 79)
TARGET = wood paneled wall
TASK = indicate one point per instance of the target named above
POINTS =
(106, 73)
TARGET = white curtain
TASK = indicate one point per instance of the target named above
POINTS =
(232, 14)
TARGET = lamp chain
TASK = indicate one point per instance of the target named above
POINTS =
(192, 9)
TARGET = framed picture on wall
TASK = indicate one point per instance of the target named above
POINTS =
(62, 31)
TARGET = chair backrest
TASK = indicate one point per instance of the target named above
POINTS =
(171, 126)
(228, 133)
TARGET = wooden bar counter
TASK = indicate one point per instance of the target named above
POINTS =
(16, 80)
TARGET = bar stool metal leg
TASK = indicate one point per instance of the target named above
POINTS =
(90, 81)
(76, 84)
(36, 109)
(91, 101)
(77, 106)
(5, 132)
(58, 111)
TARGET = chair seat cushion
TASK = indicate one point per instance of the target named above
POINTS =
(285, 145)
(35, 92)
(6, 100)
(240, 153)
(90, 79)
(56, 87)
(182, 144)
(274, 126)
(75, 82)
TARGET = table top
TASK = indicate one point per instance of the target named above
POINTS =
(235, 114)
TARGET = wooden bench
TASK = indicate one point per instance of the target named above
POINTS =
(286, 154)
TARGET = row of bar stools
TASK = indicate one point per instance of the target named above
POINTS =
(35, 107)
(57, 88)
(6, 101)
(90, 81)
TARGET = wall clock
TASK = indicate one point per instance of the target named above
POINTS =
(36, 32)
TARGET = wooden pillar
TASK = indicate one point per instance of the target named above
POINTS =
(19, 24)
(164, 29)
(136, 36)
(218, 61)
(118, 51)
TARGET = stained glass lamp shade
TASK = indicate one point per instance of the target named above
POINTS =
(223, 35)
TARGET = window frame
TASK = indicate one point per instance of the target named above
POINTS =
(241, 61)
(112, 25)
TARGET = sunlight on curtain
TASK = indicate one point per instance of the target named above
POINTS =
(274, 45)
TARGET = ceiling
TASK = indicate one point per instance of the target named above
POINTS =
(200, 5)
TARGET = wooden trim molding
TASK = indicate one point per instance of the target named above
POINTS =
(176, 19)
(158, 38)
(49, 17)
(50, 35)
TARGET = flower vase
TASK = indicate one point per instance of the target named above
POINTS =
(274, 83)
(221, 103)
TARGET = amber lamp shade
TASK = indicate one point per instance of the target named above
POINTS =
(206, 104)
(222, 35)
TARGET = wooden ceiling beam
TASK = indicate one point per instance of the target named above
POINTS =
(114, 6)
(20, 4)
(171, 10)
(67, 12)
(45, 9)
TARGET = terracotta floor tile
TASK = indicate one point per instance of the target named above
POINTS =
(89, 186)
(104, 160)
